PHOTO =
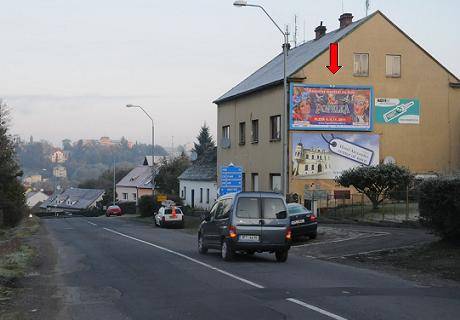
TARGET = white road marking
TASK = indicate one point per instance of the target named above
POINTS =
(91, 223)
(311, 307)
(258, 286)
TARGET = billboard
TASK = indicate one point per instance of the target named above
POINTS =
(326, 156)
(324, 107)
(401, 111)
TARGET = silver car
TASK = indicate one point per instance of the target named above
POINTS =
(247, 222)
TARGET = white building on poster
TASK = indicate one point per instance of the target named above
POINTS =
(311, 161)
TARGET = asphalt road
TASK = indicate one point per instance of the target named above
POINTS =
(111, 268)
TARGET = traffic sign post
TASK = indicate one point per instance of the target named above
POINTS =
(231, 179)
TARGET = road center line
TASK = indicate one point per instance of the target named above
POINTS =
(91, 223)
(309, 306)
(258, 286)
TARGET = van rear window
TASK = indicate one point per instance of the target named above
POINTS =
(248, 208)
(273, 208)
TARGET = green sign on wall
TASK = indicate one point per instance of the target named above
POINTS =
(400, 111)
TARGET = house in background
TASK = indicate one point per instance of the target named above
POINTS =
(137, 183)
(73, 200)
(35, 197)
(198, 185)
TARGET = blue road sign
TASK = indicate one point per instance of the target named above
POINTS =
(231, 179)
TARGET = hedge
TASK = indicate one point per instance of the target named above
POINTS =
(439, 206)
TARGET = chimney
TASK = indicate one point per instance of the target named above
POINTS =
(345, 20)
(320, 31)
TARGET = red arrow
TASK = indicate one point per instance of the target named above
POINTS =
(334, 58)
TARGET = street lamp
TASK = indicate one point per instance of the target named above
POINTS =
(153, 142)
(285, 138)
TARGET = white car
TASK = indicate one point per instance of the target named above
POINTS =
(169, 216)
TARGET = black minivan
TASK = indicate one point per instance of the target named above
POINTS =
(247, 222)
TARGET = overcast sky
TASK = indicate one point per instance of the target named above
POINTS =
(68, 67)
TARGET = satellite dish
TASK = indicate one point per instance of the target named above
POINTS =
(389, 160)
(193, 155)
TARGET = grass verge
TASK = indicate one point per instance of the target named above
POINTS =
(16, 257)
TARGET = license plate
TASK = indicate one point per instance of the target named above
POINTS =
(297, 221)
(249, 238)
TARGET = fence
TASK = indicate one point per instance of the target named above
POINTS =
(401, 207)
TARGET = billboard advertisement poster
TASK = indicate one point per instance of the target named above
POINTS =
(325, 107)
(402, 111)
(326, 156)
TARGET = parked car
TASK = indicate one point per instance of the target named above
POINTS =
(247, 222)
(113, 210)
(303, 222)
(169, 216)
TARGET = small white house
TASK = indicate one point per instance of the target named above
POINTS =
(35, 197)
(198, 185)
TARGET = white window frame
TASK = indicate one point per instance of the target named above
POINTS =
(393, 65)
(360, 68)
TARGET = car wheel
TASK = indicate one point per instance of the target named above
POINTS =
(313, 235)
(281, 256)
(201, 247)
(250, 252)
(227, 252)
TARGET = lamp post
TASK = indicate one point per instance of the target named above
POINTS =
(153, 143)
(285, 138)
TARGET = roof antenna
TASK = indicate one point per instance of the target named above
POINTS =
(304, 24)
(295, 30)
(367, 7)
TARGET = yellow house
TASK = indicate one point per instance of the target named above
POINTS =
(390, 102)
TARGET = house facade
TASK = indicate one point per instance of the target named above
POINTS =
(198, 186)
(137, 183)
(399, 103)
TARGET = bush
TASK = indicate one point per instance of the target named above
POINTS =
(146, 206)
(127, 207)
(439, 206)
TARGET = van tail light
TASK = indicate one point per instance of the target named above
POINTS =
(232, 232)
(312, 217)
(288, 234)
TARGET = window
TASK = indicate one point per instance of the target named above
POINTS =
(273, 208)
(255, 182)
(226, 207)
(125, 196)
(243, 181)
(207, 195)
(219, 209)
(226, 137)
(248, 208)
(393, 66)
(134, 196)
(185, 193)
(242, 138)
(275, 182)
(361, 64)
(201, 195)
(275, 128)
(255, 131)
